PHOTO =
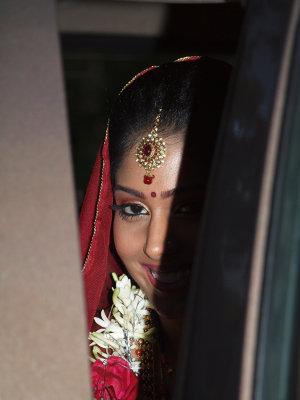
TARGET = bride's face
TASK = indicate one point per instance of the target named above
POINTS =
(156, 226)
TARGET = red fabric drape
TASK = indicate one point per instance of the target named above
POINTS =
(95, 228)
(95, 232)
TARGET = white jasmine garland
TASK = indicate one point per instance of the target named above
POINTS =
(118, 335)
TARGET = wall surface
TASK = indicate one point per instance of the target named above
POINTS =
(143, 17)
(42, 329)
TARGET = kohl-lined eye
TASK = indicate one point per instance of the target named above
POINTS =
(130, 209)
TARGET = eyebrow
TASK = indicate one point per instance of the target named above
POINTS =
(182, 189)
(135, 193)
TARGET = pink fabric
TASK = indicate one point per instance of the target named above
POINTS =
(120, 382)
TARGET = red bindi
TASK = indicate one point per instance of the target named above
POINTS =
(153, 194)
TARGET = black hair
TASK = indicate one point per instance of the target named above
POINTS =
(190, 93)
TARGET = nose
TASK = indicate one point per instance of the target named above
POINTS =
(157, 241)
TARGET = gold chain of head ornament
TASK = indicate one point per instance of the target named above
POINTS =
(151, 151)
(141, 162)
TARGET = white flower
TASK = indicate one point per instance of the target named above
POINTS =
(117, 335)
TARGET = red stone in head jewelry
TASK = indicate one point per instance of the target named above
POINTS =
(151, 151)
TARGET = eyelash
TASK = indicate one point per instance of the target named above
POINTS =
(126, 215)
(194, 208)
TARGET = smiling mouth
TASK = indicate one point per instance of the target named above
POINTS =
(170, 277)
(167, 278)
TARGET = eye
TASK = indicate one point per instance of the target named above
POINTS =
(134, 209)
(189, 208)
(130, 209)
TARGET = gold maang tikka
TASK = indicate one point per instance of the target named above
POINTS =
(151, 151)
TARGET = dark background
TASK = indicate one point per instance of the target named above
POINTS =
(96, 67)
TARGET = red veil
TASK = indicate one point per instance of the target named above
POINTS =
(95, 232)
(95, 228)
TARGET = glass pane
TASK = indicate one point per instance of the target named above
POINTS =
(277, 371)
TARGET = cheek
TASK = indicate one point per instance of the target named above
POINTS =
(186, 231)
(127, 239)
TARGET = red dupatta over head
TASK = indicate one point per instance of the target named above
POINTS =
(95, 228)
(99, 262)
(95, 232)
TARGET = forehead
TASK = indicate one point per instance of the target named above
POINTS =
(179, 169)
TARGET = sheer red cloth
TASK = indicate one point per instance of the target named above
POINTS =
(95, 233)
(118, 382)
(95, 228)
(96, 215)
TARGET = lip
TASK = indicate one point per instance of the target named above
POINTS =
(157, 268)
(167, 286)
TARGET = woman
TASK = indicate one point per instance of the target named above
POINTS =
(151, 173)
